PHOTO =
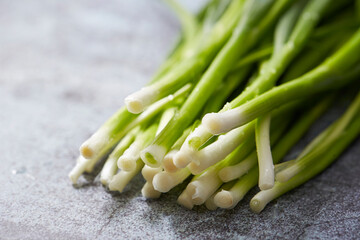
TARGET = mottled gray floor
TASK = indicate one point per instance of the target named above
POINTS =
(65, 68)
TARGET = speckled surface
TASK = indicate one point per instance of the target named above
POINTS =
(66, 66)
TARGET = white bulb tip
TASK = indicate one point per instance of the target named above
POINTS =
(112, 187)
(168, 163)
(79, 169)
(149, 192)
(225, 175)
(224, 199)
(197, 191)
(181, 159)
(115, 187)
(266, 186)
(191, 189)
(86, 151)
(195, 169)
(153, 155)
(162, 182)
(117, 183)
(185, 200)
(73, 177)
(256, 205)
(126, 164)
(105, 180)
(213, 123)
(148, 173)
(266, 178)
(134, 105)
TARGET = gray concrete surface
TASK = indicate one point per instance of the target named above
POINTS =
(65, 68)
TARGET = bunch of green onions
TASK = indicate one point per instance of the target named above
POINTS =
(245, 82)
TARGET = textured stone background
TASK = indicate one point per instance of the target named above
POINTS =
(65, 68)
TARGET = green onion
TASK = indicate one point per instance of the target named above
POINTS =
(210, 202)
(231, 197)
(232, 171)
(220, 109)
(110, 166)
(148, 173)
(192, 67)
(122, 178)
(185, 199)
(233, 49)
(127, 161)
(121, 123)
(165, 181)
(325, 77)
(321, 146)
(284, 52)
(148, 191)
(319, 161)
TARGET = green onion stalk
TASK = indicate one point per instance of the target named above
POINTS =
(238, 170)
(203, 185)
(165, 181)
(194, 31)
(230, 198)
(200, 188)
(262, 125)
(322, 145)
(337, 71)
(122, 122)
(220, 109)
(122, 178)
(210, 202)
(280, 60)
(252, 23)
(287, 44)
(110, 167)
(127, 161)
(231, 83)
(193, 66)
(226, 143)
(350, 130)
(148, 191)
(118, 125)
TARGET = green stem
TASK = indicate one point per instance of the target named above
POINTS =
(188, 21)
(121, 123)
(333, 133)
(122, 178)
(312, 57)
(286, 25)
(194, 65)
(265, 161)
(238, 44)
(250, 180)
(271, 71)
(337, 71)
(110, 167)
(232, 82)
(210, 203)
(206, 18)
(279, 62)
(253, 57)
(236, 166)
(127, 161)
(260, 200)
(206, 183)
